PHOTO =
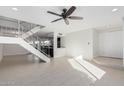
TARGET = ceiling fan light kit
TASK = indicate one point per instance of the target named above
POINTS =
(65, 15)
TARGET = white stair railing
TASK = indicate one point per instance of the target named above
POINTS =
(31, 32)
(25, 33)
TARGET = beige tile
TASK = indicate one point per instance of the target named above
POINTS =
(26, 70)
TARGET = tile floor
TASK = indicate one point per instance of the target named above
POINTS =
(25, 70)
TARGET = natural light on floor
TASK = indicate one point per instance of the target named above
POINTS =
(93, 72)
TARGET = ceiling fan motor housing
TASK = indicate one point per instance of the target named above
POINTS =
(64, 13)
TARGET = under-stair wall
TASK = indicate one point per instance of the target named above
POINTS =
(13, 49)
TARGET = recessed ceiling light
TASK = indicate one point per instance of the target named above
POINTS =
(15, 9)
(114, 10)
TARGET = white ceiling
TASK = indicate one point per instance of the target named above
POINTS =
(94, 16)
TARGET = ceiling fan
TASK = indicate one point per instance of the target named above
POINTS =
(65, 15)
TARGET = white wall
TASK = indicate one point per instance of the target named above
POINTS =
(123, 45)
(13, 49)
(1, 52)
(111, 44)
(95, 43)
(77, 44)
(58, 52)
(123, 41)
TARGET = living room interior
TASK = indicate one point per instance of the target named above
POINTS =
(62, 45)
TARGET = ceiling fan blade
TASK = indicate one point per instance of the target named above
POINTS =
(70, 11)
(56, 20)
(75, 17)
(54, 13)
(66, 21)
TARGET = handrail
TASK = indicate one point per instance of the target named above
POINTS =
(34, 47)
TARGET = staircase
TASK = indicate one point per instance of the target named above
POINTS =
(23, 36)
(31, 32)
(24, 44)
